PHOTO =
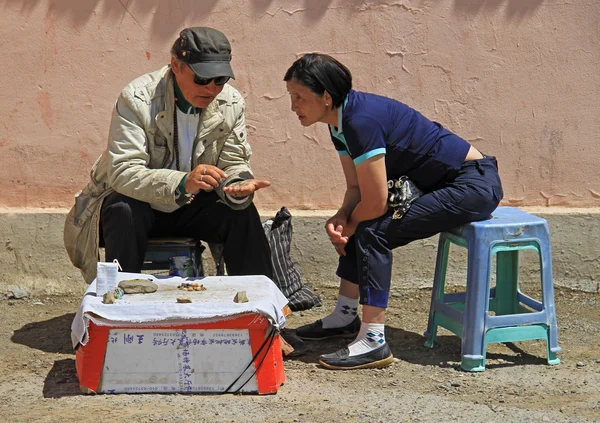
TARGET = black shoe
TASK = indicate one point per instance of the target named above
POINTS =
(316, 332)
(376, 359)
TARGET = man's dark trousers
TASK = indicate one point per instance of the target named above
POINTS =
(126, 224)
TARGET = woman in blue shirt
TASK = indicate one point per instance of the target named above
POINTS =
(380, 139)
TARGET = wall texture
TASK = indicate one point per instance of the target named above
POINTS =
(32, 256)
(518, 79)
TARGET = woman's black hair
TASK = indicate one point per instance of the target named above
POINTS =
(320, 73)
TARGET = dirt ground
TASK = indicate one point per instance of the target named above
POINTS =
(38, 382)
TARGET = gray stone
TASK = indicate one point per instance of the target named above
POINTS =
(184, 299)
(138, 286)
(19, 293)
(240, 297)
(108, 298)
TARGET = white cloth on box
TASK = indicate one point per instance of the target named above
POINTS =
(161, 307)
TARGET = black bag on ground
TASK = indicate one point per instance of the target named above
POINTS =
(286, 274)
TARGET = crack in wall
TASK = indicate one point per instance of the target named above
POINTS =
(312, 138)
(364, 8)
(126, 11)
(403, 55)
(331, 53)
(270, 97)
(371, 6)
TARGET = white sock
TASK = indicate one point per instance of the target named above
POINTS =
(344, 313)
(370, 337)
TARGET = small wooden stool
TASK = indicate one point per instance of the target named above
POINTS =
(160, 250)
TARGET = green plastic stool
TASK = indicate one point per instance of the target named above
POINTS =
(517, 317)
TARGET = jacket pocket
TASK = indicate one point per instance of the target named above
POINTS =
(158, 157)
(210, 153)
(158, 151)
(86, 204)
(240, 138)
(99, 176)
(156, 138)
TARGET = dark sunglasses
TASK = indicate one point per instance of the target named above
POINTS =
(219, 80)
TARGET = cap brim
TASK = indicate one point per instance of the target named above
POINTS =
(212, 69)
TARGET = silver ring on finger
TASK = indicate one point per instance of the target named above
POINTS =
(204, 172)
(201, 177)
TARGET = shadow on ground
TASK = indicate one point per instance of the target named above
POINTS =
(409, 346)
(51, 336)
(62, 380)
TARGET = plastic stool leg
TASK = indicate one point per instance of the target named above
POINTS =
(476, 303)
(552, 357)
(507, 282)
(437, 292)
(548, 302)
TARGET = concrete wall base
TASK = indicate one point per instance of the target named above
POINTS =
(32, 255)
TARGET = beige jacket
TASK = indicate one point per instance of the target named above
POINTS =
(140, 152)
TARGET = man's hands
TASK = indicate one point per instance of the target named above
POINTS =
(245, 187)
(339, 231)
(205, 177)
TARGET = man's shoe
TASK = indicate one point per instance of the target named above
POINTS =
(376, 359)
(316, 332)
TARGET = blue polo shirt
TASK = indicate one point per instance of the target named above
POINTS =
(370, 125)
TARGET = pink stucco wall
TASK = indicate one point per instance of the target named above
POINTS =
(517, 78)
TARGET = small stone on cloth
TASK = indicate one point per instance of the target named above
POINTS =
(108, 298)
(240, 297)
(112, 296)
(138, 286)
(184, 299)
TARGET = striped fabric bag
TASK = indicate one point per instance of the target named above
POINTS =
(286, 274)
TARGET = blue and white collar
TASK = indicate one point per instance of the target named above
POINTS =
(339, 131)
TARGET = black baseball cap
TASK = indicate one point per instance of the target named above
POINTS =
(206, 51)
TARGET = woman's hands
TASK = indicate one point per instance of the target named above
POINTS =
(338, 230)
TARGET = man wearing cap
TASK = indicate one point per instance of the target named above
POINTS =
(176, 164)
